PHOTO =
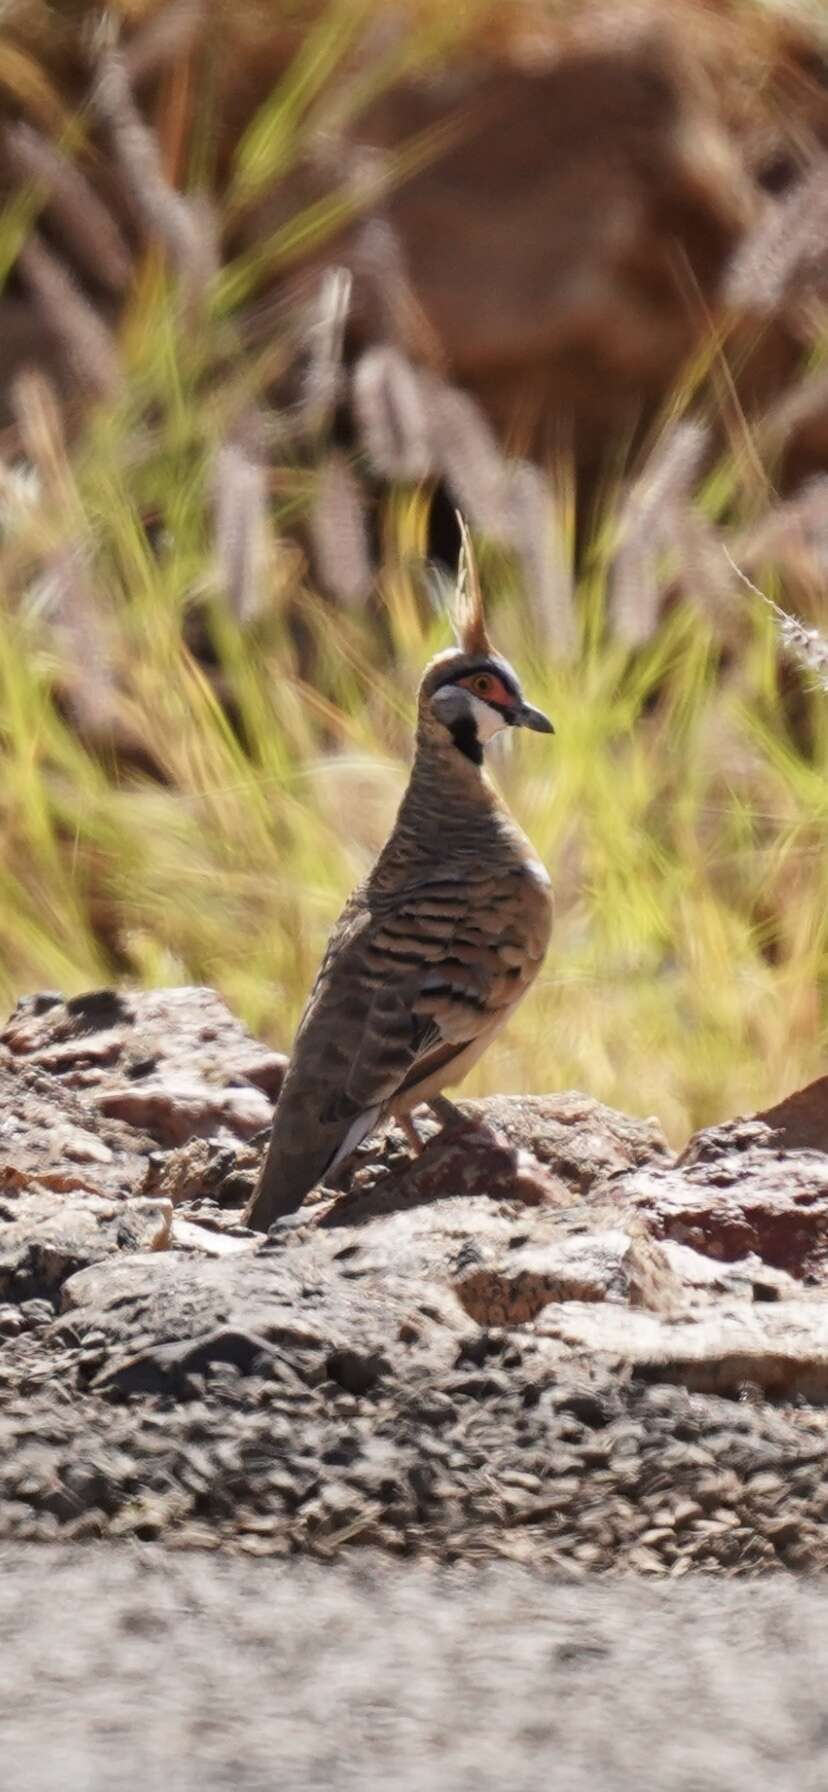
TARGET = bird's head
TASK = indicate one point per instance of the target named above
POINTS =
(469, 690)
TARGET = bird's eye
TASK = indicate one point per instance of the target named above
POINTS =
(483, 684)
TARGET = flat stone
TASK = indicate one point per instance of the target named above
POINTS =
(782, 1348)
(748, 1278)
(188, 1235)
(306, 1291)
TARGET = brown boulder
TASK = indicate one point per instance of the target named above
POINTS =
(580, 1140)
(799, 1123)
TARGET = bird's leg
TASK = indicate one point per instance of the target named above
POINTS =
(447, 1115)
(415, 1140)
(447, 1112)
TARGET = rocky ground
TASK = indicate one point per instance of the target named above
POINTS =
(546, 1339)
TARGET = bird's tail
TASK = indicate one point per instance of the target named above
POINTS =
(281, 1189)
(288, 1176)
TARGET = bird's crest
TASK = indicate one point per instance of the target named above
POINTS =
(469, 620)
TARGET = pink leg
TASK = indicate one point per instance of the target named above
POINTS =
(406, 1125)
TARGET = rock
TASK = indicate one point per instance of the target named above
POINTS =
(466, 1157)
(50, 1137)
(188, 1235)
(542, 1332)
(37, 1312)
(314, 1291)
(605, 1266)
(799, 1123)
(357, 1371)
(781, 1349)
(181, 1108)
(71, 1151)
(172, 1062)
(47, 1237)
(202, 1168)
(617, 1265)
(740, 1202)
(748, 1278)
(754, 1186)
(580, 1140)
(591, 169)
(429, 1243)
(168, 1368)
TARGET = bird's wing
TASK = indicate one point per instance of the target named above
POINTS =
(443, 971)
(402, 992)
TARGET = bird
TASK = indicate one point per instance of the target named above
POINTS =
(435, 949)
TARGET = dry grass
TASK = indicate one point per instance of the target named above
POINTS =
(682, 818)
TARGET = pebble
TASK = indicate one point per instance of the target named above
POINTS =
(37, 1312)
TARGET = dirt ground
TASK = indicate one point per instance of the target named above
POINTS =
(124, 1665)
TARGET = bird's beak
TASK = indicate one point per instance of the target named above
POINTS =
(527, 717)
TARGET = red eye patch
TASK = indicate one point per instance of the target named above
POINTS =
(490, 688)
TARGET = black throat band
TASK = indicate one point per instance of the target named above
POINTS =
(464, 734)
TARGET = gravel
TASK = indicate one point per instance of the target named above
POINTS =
(300, 1452)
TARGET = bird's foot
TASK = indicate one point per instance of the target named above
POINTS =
(452, 1119)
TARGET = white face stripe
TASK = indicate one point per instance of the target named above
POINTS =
(486, 720)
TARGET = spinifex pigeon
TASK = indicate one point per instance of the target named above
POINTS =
(437, 946)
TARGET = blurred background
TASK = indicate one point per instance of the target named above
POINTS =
(283, 284)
